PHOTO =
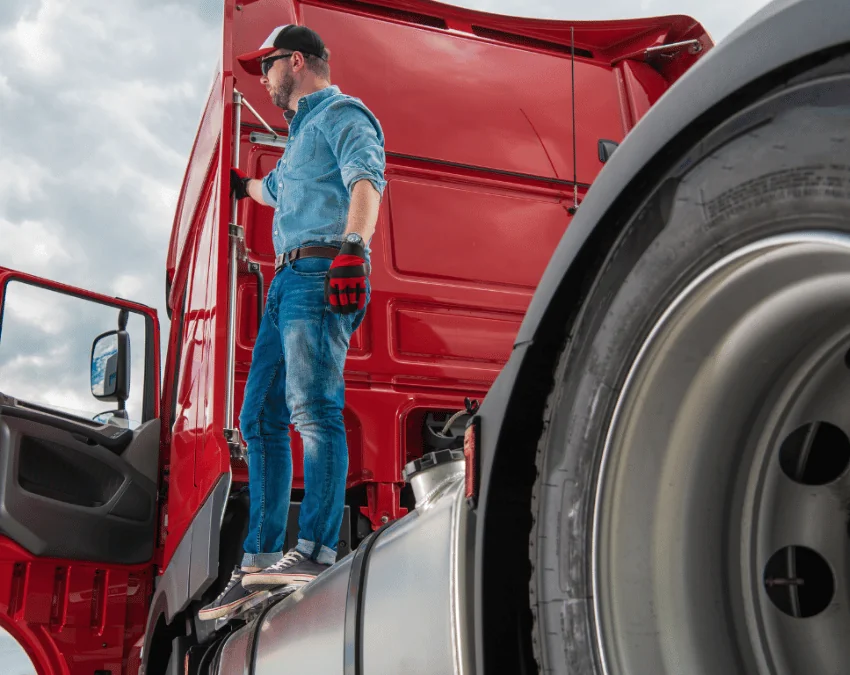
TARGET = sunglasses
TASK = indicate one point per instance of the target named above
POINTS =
(266, 64)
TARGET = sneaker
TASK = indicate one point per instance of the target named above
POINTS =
(293, 568)
(230, 599)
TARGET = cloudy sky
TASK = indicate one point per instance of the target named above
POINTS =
(99, 103)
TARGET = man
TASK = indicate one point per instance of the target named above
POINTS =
(326, 191)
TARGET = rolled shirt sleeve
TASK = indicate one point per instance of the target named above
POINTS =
(270, 183)
(357, 140)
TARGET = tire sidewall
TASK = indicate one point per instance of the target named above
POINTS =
(782, 177)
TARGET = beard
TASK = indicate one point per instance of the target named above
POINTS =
(281, 95)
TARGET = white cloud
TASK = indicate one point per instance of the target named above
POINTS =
(36, 309)
(34, 246)
(7, 93)
(22, 177)
(34, 40)
(13, 656)
(128, 285)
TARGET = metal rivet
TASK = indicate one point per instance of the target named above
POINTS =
(385, 519)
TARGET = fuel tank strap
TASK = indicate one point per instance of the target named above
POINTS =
(353, 626)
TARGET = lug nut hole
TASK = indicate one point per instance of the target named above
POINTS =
(815, 454)
(799, 581)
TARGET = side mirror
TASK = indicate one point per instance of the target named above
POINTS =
(110, 366)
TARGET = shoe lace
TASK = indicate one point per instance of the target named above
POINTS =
(290, 558)
(235, 578)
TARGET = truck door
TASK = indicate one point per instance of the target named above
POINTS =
(79, 462)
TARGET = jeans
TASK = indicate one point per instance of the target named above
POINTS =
(296, 377)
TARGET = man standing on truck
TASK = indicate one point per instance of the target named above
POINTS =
(326, 191)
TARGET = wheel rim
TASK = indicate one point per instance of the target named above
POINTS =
(723, 547)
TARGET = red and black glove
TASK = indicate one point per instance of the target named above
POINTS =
(239, 183)
(345, 284)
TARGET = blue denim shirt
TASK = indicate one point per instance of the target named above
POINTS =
(334, 141)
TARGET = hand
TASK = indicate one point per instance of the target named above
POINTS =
(239, 183)
(345, 284)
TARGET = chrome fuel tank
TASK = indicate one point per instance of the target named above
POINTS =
(400, 603)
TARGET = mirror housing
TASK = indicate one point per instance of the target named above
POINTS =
(110, 366)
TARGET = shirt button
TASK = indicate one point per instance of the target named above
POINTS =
(275, 230)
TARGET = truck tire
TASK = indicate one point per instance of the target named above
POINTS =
(691, 506)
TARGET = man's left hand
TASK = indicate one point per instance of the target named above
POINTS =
(345, 284)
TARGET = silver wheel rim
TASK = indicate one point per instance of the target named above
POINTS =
(699, 526)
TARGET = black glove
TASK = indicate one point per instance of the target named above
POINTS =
(239, 183)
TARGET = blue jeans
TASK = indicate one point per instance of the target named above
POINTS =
(297, 376)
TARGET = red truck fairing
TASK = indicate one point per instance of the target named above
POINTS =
(476, 109)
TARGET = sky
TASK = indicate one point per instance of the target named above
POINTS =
(99, 104)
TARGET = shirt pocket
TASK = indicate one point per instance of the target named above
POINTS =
(302, 154)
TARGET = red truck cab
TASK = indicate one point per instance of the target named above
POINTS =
(113, 532)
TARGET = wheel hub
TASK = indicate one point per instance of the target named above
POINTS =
(720, 538)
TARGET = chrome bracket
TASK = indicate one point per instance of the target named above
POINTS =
(234, 442)
(276, 141)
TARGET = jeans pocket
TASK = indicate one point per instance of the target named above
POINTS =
(311, 267)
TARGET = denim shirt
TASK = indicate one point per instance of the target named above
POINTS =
(334, 141)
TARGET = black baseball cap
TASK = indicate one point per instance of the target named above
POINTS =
(291, 37)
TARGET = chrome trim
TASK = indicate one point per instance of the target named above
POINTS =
(429, 483)
(232, 272)
(274, 141)
(694, 47)
(458, 530)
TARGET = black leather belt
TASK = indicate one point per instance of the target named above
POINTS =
(309, 252)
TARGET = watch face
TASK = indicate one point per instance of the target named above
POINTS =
(354, 238)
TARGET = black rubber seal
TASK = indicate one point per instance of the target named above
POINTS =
(353, 624)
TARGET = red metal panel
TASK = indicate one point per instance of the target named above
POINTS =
(643, 87)
(73, 618)
(450, 333)
(194, 465)
(200, 161)
(468, 233)
(258, 218)
(517, 128)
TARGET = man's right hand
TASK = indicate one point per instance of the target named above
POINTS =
(239, 183)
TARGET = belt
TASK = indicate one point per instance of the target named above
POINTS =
(308, 252)
(304, 252)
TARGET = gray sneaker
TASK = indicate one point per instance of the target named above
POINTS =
(233, 597)
(293, 568)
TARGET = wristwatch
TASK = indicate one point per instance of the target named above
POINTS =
(354, 238)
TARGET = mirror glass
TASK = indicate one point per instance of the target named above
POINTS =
(104, 365)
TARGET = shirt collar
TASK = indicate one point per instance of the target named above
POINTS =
(310, 101)
(306, 104)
